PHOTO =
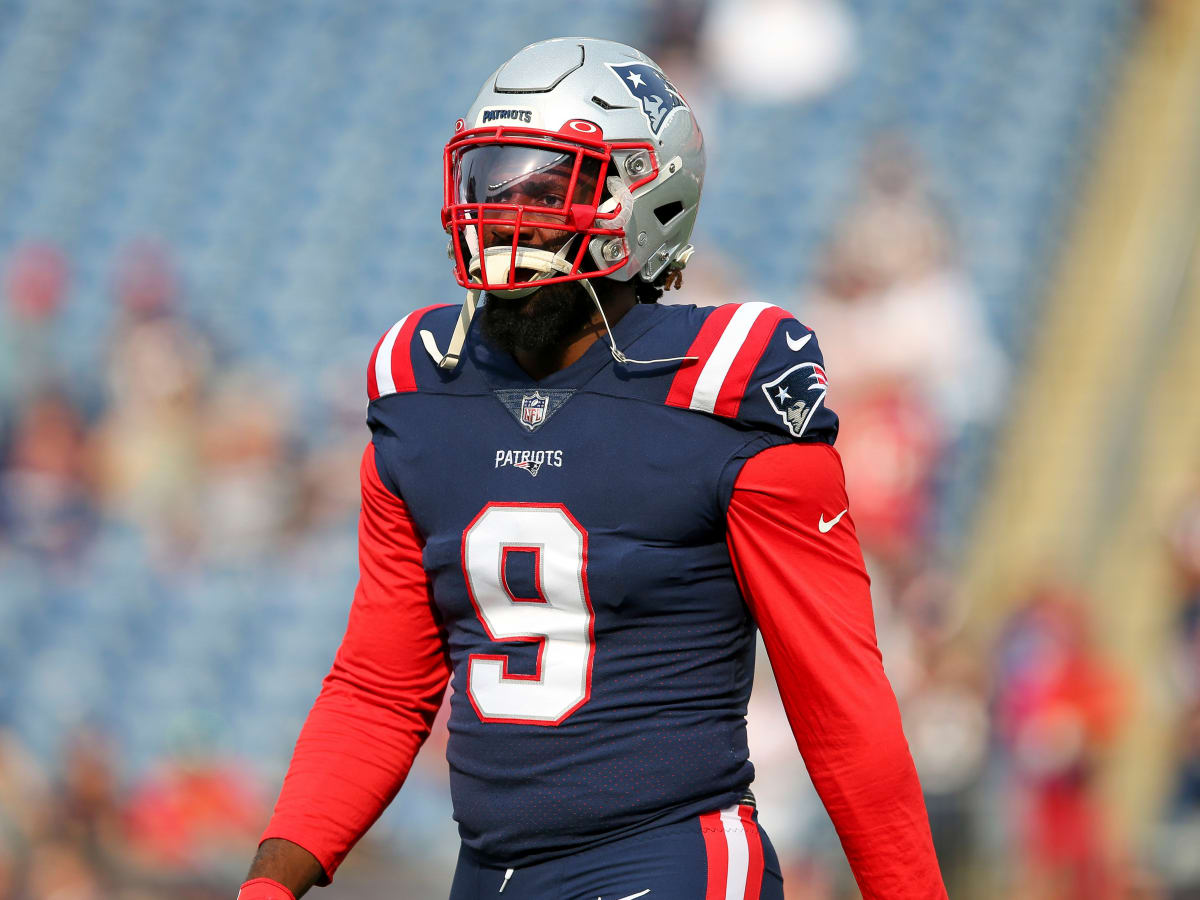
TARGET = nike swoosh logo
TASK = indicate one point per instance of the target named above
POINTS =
(797, 344)
(824, 526)
(631, 896)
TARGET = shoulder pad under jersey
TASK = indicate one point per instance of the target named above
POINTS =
(391, 369)
(755, 363)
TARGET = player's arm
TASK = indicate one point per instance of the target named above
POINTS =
(375, 709)
(806, 586)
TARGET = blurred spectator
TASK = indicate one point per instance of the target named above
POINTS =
(193, 812)
(148, 443)
(248, 483)
(1057, 707)
(59, 871)
(36, 279)
(1175, 847)
(145, 283)
(87, 801)
(909, 359)
(794, 817)
(674, 29)
(25, 797)
(894, 305)
(1177, 840)
(890, 443)
(46, 497)
(946, 721)
(328, 484)
(9, 876)
(1184, 548)
(672, 40)
(779, 51)
(180, 831)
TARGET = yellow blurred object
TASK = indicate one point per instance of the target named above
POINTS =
(1104, 434)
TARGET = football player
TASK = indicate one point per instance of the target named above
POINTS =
(577, 508)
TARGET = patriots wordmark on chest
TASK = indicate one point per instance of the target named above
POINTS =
(530, 461)
(533, 408)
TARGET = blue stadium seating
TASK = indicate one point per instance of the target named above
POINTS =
(289, 154)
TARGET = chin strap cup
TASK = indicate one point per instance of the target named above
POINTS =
(499, 262)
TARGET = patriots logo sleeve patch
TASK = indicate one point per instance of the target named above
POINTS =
(755, 363)
(650, 88)
(796, 394)
(792, 386)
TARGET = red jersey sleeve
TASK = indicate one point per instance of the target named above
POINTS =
(798, 562)
(379, 700)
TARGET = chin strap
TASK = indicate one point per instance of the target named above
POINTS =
(498, 261)
(449, 360)
(612, 344)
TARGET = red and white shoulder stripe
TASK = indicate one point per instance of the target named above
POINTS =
(735, 854)
(731, 342)
(391, 368)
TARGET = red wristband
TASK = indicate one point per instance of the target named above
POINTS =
(264, 889)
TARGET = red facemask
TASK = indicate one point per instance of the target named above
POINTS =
(522, 205)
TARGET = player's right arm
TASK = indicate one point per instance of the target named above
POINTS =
(375, 709)
(797, 559)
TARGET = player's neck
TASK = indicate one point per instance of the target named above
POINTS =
(617, 298)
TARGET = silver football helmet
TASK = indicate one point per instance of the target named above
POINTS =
(577, 160)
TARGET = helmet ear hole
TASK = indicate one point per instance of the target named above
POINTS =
(668, 211)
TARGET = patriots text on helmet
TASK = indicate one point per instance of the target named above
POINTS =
(522, 116)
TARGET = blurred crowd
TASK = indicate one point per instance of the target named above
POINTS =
(202, 453)
(1006, 735)
(200, 456)
(76, 833)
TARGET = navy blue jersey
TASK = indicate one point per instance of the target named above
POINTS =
(575, 542)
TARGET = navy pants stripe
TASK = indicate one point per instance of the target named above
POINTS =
(721, 855)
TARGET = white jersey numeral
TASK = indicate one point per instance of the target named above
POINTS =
(560, 620)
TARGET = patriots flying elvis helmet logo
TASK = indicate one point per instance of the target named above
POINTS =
(650, 87)
(796, 394)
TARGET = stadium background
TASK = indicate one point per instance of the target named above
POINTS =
(988, 209)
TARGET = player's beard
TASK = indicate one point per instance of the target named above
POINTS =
(539, 322)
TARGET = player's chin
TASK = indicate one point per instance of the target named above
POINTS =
(538, 322)
(539, 302)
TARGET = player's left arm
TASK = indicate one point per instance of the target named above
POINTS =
(805, 583)
(375, 710)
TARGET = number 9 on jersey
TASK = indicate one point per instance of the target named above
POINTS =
(559, 620)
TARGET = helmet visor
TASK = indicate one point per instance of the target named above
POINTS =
(541, 179)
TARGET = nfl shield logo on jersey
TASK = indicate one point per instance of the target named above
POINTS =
(533, 410)
(796, 394)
